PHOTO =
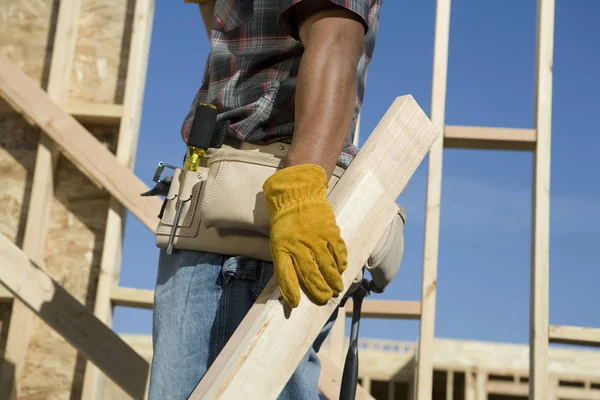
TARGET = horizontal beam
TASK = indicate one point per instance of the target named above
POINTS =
(387, 309)
(95, 113)
(507, 388)
(77, 143)
(489, 138)
(130, 297)
(522, 390)
(577, 335)
(72, 320)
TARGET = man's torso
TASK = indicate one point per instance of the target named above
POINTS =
(250, 74)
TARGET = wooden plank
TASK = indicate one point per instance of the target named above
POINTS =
(264, 351)
(72, 320)
(470, 393)
(540, 246)
(330, 382)
(387, 309)
(38, 213)
(480, 382)
(424, 373)
(125, 154)
(77, 143)
(507, 388)
(5, 295)
(130, 297)
(565, 393)
(488, 138)
(576, 335)
(450, 385)
(95, 113)
(522, 389)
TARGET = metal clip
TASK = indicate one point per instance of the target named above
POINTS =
(159, 169)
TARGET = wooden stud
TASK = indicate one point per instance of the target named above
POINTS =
(480, 385)
(364, 203)
(72, 320)
(577, 335)
(470, 392)
(540, 252)
(42, 192)
(127, 143)
(450, 385)
(432, 215)
(78, 144)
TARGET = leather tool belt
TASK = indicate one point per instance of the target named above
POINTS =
(224, 210)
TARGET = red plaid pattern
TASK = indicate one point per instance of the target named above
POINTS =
(251, 70)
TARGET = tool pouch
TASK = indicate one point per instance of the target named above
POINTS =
(224, 209)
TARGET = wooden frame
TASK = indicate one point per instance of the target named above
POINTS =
(42, 192)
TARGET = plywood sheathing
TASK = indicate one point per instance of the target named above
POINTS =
(25, 27)
(53, 369)
(73, 254)
(102, 50)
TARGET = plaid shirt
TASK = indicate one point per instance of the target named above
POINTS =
(250, 74)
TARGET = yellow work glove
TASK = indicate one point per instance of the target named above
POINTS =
(306, 244)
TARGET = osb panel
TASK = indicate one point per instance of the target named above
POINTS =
(101, 53)
(24, 31)
(54, 369)
(18, 148)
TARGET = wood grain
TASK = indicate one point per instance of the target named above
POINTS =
(269, 343)
(72, 320)
(77, 143)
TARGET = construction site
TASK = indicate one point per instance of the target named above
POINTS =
(73, 75)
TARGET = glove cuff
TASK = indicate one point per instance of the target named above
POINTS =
(296, 183)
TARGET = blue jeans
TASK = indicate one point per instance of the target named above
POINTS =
(199, 301)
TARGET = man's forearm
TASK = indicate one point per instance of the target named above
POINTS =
(326, 89)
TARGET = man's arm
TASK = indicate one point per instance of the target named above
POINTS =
(333, 38)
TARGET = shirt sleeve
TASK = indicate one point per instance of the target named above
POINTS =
(286, 15)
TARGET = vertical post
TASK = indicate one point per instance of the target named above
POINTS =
(432, 214)
(42, 192)
(450, 385)
(127, 142)
(481, 388)
(469, 385)
(538, 339)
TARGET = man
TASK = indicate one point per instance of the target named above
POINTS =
(288, 71)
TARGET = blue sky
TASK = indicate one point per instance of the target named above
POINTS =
(484, 254)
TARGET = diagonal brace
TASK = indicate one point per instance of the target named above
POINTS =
(77, 143)
(72, 320)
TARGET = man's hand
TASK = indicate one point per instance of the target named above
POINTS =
(306, 245)
(333, 38)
